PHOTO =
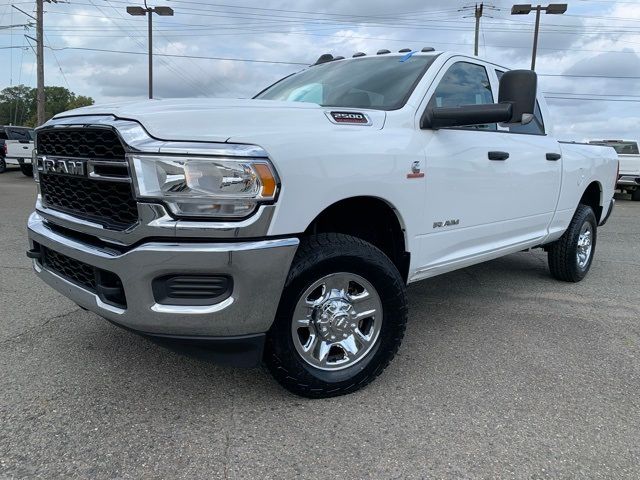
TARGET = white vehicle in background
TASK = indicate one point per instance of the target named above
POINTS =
(18, 147)
(285, 228)
(629, 157)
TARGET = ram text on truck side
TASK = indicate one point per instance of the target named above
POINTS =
(285, 228)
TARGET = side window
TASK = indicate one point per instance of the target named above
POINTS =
(3, 134)
(464, 84)
(535, 127)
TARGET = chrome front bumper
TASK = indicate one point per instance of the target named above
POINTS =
(258, 268)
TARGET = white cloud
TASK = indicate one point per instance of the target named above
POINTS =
(283, 31)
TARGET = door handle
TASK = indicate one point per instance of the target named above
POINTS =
(553, 156)
(498, 155)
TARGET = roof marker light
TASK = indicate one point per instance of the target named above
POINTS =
(324, 58)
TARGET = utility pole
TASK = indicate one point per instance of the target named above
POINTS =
(479, 11)
(478, 15)
(150, 17)
(139, 12)
(40, 99)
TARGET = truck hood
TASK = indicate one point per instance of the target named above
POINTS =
(222, 120)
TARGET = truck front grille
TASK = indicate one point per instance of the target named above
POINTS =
(110, 204)
(107, 202)
(97, 143)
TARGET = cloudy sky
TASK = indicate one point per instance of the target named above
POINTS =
(580, 53)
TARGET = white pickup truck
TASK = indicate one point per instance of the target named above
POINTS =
(284, 229)
(17, 148)
(629, 156)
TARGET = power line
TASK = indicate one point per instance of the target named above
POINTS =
(619, 77)
(592, 99)
(593, 94)
(280, 62)
(179, 56)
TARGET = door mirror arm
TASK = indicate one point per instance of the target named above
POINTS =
(466, 115)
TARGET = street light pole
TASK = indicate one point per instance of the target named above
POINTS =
(140, 11)
(536, 31)
(551, 9)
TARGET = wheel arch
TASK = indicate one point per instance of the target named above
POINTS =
(369, 218)
(592, 197)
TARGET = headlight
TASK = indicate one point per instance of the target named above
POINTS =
(205, 186)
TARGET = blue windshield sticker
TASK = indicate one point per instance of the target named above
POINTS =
(407, 56)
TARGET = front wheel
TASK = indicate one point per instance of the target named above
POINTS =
(26, 169)
(571, 256)
(635, 195)
(341, 318)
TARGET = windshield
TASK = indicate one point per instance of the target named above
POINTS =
(383, 83)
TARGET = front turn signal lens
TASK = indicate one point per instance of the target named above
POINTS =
(267, 180)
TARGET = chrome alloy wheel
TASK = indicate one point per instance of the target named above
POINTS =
(585, 245)
(337, 321)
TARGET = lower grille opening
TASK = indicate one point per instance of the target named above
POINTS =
(107, 285)
(192, 289)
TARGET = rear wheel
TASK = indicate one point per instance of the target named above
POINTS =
(341, 318)
(571, 256)
(26, 169)
(3, 165)
(635, 195)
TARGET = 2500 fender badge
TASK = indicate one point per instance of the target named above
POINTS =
(354, 118)
(446, 223)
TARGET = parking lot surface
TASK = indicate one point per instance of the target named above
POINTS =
(504, 372)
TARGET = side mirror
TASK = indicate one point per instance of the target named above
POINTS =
(516, 104)
(519, 88)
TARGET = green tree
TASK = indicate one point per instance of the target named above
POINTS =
(18, 104)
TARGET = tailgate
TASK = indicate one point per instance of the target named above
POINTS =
(19, 149)
(629, 164)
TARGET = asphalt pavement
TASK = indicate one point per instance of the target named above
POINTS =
(504, 373)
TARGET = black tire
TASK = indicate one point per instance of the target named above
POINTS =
(318, 256)
(26, 169)
(3, 165)
(635, 195)
(563, 261)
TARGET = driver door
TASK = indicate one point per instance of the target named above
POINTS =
(475, 179)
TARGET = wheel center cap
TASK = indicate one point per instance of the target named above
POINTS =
(334, 319)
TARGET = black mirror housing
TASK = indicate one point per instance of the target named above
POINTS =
(466, 115)
(519, 88)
